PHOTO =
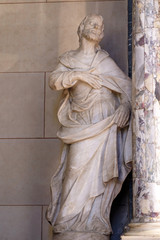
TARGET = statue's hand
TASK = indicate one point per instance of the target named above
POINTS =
(91, 79)
(122, 115)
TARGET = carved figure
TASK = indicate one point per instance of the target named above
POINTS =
(94, 116)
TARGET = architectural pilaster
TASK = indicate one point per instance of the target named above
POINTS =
(146, 121)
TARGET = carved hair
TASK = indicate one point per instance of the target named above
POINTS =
(82, 24)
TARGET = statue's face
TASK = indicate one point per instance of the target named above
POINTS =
(93, 29)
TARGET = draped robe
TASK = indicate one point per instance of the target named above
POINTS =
(96, 157)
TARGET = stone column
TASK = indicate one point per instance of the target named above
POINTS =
(146, 121)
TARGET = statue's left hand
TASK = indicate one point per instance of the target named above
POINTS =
(122, 115)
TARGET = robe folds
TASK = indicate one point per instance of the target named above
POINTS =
(96, 157)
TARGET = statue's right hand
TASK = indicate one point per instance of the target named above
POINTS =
(91, 79)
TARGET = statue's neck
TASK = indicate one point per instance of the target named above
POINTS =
(86, 51)
(87, 47)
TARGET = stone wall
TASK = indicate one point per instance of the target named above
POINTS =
(33, 34)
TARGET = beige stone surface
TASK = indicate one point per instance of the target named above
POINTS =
(51, 107)
(47, 228)
(26, 167)
(36, 39)
(80, 0)
(43, 1)
(20, 222)
(22, 105)
(22, 1)
(139, 238)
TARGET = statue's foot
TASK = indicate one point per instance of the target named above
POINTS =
(80, 236)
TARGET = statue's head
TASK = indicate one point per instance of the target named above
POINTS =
(91, 28)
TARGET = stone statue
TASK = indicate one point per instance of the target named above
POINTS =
(96, 158)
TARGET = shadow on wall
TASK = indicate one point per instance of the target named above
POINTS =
(115, 30)
(121, 209)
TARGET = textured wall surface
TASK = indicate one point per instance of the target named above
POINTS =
(33, 34)
(146, 111)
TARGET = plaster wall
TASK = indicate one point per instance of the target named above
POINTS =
(33, 34)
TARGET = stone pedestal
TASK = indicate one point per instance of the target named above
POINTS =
(80, 236)
(140, 231)
(146, 121)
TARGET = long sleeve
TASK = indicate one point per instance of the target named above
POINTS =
(61, 78)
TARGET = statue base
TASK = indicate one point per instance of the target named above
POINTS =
(80, 236)
(142, 231)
